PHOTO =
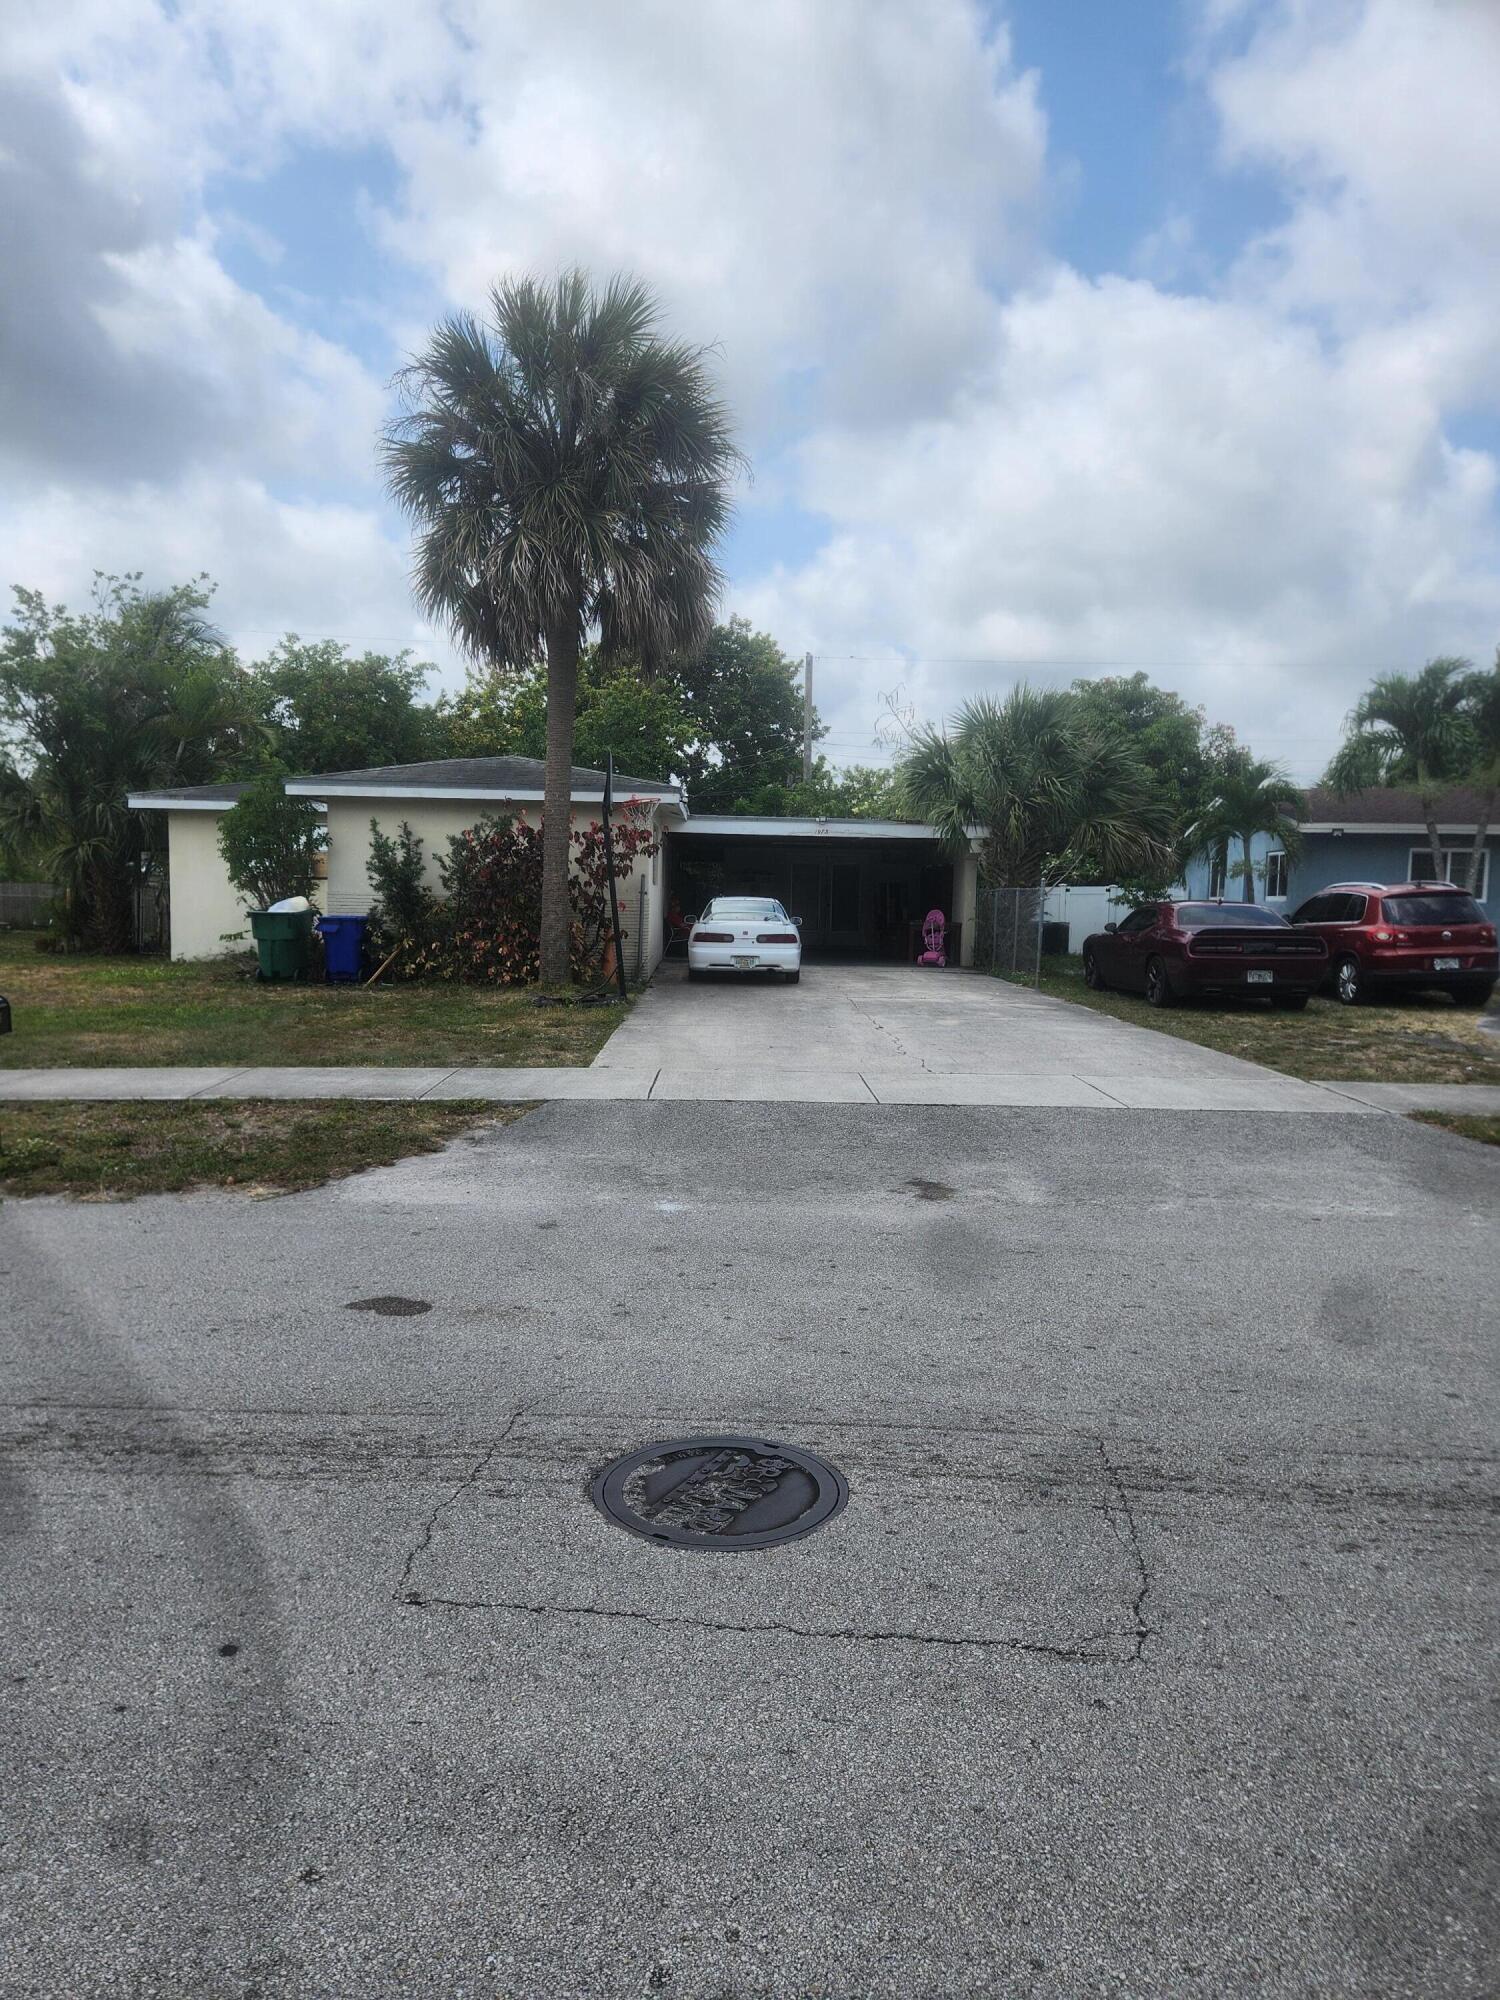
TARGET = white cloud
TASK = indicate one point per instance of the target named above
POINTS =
(1259, 486)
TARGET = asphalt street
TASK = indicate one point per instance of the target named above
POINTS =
(1153, 1654)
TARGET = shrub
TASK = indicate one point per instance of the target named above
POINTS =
(270, 842)
(492, 877)
(406, 913)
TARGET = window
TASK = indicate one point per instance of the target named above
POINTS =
(1275, 874)
(1216, 875)
(1140, 920)
(1453, 865)
(1441, 907)
(1319, 910)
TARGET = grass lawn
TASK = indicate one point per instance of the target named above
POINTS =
(1485, 1130)
(93, 1012)
(1411, 1039)
(110, 1151)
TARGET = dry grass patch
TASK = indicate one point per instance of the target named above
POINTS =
(1467, 1125)
(115, 1151)
(145, 1012)
(1419, 1038)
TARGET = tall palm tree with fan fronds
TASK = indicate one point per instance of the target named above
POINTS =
(566, 468)
(1049, 798)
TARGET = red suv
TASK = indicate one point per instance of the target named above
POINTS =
(1410, 934)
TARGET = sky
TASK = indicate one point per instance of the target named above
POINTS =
(1064, 337)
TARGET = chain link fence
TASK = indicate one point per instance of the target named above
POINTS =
(1008, 931)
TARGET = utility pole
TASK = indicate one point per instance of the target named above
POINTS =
(807, 719)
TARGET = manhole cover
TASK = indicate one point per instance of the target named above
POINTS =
(391, 1304)
(719, 1492)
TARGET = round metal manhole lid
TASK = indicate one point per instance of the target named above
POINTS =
(719, 1492)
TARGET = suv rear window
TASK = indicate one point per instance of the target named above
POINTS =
(1433, 909)
(1226, 916)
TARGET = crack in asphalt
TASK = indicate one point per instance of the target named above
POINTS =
(1077, 1654)
(423, 1542)
(1123, 1508)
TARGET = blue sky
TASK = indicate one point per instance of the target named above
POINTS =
(1083, 336)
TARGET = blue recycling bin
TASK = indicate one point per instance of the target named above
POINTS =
(343, 944)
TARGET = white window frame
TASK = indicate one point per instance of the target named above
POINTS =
(1446, 859)
(1277, 895)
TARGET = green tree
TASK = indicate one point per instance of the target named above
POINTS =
(1171, 739)
(643, 722)
(1250, 797)
(744, 703)
(1412, 729)
(270, 842)
(330, 711)
(860, 791)
(567, 471)
(1053, 800)
(1484, 715)
(137, 693)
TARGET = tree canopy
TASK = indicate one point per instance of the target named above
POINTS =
(743, 698)
(137, 693)
(1052, 797)
(329, 710)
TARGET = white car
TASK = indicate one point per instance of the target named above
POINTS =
(745, 934)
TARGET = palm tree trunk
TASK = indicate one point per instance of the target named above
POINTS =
(1481, 835)
(1247, 895)
(557, 806)
(1429, 814)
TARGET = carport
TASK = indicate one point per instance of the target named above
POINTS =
(860, 887)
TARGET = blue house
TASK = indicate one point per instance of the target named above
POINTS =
(1373, 836)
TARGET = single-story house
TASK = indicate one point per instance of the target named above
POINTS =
(858, 885)
(1378, 835)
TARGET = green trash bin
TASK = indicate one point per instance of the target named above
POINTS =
(283, 942)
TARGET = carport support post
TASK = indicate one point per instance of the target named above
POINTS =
(609, 869)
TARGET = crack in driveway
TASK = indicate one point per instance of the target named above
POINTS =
(424, 1540)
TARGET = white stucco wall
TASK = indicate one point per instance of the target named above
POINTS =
(436, 821)
(205, 906)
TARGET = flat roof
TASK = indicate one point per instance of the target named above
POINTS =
(764, 827)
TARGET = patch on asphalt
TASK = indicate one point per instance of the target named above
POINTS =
(391, 1304)
(719, 1492)
(930, 1190)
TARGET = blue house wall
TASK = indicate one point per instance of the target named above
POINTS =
(1352, 856)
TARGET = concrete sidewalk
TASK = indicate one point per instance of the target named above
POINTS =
(751, 1083)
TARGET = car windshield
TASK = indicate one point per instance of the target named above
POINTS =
(1434, 909)
(745, 906)
(1225, 916)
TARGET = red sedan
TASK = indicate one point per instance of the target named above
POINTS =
(1170, 950)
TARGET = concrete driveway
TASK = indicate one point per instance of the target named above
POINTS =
(902, 1035)
(1152, 1655)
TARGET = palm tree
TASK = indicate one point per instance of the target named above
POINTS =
(566, 470)
(1250, 797)
(1048, 798)
(1412, 729)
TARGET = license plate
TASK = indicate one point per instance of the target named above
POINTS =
(1445, 965)
(1258, 978)
(743, 959)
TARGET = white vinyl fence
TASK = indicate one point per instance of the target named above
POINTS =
(1084, 910)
